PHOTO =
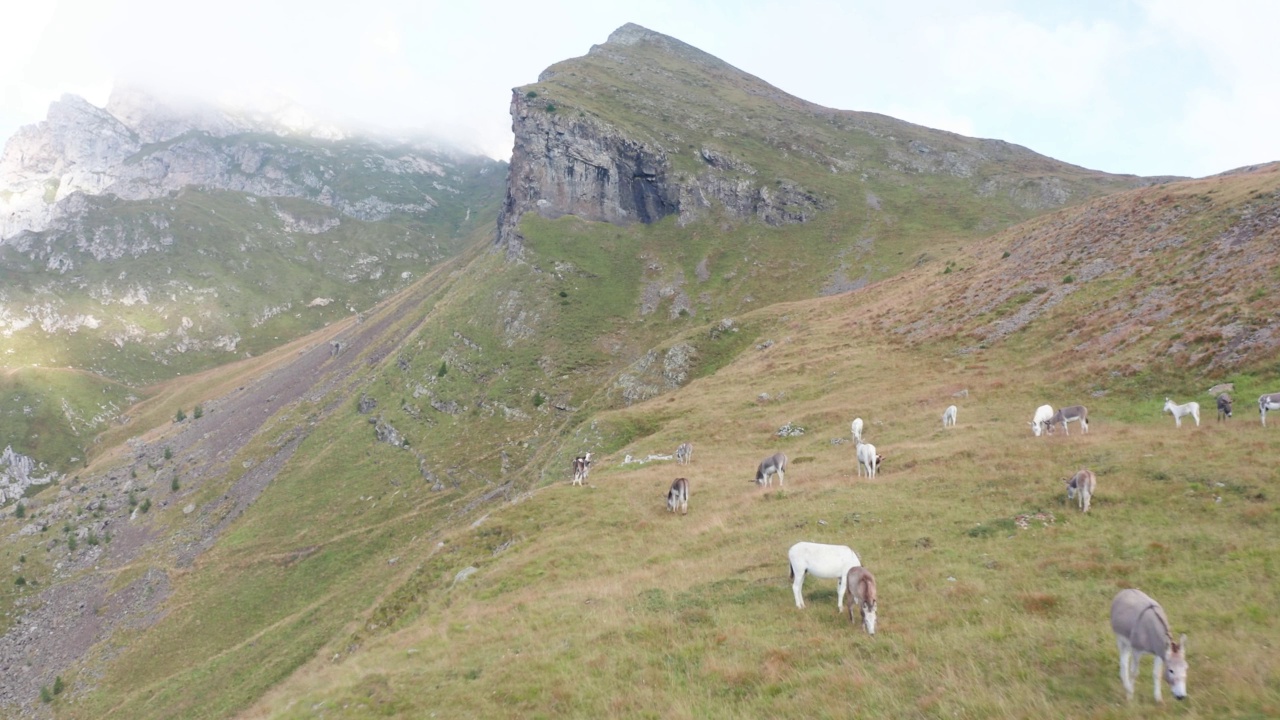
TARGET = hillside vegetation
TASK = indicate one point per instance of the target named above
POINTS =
(375, 520)
(336, 593)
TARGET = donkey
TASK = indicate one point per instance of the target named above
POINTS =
(684, 453)
(1075, 413)
(868, 459)
(1142, 628)
(860, 593)
(1224, 407)
(1043, 413)
(1268, 402)
(1080, 487)
(824, 561)
(678, 496)
(581, 468)
(856, 427)
(949, 416)
(1180, 411)
(776, 463)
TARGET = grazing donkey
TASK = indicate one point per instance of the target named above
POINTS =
(774, 464)
(1142, 628)
(1038, 421)
(1075, 413)
(949, 417)
(1180, 411)
(1224, 407)
(1081, 486)
(860, 593)
(581, 468)
(684, 453)
(824, 561)
(856, 427)
(1268, 402)
(868, 459)
(678, 496)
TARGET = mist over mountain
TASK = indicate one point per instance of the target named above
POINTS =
(152, 238)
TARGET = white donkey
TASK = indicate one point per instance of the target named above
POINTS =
(1180, 411)
(581, 468)
(824, 561)
(949, 416)
(860, 594)
(856, 427)
(678, 496)
(868, 459)
(684, 453)
(1268, 402)
(1080, 487)
(774, 464)
(1039, 420)
(1142, 628)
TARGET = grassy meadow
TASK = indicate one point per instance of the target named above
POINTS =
(595, 602)
(339, 595)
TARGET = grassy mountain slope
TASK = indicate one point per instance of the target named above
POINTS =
(336, 592)
(308, 545)
(594, 601)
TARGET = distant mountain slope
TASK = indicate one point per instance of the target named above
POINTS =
(146, 239)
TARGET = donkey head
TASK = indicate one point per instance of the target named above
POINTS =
(1072, 487)
(868, 616)
(1175, 668)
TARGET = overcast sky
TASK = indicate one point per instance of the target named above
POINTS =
(1151, 87)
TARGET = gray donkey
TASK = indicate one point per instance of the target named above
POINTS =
(1142, 628)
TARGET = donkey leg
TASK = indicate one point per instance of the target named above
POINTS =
(1126, 668)
(840, 591)
(1157, 671)
(796, 585)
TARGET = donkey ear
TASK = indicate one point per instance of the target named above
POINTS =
(1182, 642)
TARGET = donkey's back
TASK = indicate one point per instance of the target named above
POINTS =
(1140, 620)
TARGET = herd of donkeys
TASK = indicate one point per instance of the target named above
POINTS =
(1140, 624)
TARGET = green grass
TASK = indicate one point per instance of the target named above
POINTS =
(595, 610)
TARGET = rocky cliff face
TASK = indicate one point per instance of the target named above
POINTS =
(18, 472)
(575, 163)
(580, 166)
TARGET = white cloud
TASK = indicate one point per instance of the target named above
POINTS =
(1146, 86)
(1232, 121)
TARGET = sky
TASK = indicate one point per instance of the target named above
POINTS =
(1149, 87)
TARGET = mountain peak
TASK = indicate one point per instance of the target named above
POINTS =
(632, 34)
